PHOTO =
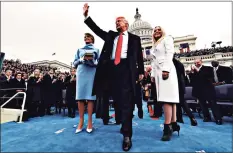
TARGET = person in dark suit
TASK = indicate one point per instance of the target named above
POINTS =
(59, 87)
(116, 70)
(70, 83)
(49, 92)
(188, 78)
(41, 107)
(138, 97)
(146, 82)
(20, 86)
(223, 74)
(34, 94)
(183, 104)
(5, 82)
(204, 90)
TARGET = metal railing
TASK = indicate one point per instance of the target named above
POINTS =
(14, 96)
(6, 89)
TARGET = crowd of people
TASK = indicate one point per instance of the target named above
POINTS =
(118, 73)
(207, 51)
(26, 69)
(43, 91)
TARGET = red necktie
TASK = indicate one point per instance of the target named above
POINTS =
(118, 49)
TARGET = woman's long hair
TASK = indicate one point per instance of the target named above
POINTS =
(155, 43)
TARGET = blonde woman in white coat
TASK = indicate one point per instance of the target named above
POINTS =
(165, 77)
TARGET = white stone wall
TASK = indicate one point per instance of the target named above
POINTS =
(192, 45)
(225, 59)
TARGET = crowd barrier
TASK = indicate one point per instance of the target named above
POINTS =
(11, 114)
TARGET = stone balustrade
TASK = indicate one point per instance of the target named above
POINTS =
(223, 58)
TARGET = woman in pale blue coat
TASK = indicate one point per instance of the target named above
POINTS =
(85, 77)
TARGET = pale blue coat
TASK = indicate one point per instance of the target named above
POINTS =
(85, 74)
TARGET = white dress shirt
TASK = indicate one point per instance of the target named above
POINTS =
(188, 77)
(198, 68)
(215, 74)
(216, 68)
(124, 46)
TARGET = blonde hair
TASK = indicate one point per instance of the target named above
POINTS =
(155, 43)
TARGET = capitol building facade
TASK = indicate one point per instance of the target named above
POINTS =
(144, 30)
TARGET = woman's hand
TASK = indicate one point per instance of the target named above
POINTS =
(82, 59)
(165, 75)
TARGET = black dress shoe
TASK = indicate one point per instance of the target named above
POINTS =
(207, 119)
(219, 122)
(127, 144)
(193, 121)
(167, 132)
(175, 127)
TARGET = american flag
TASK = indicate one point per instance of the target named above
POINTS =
(184, 48)
(147, 52)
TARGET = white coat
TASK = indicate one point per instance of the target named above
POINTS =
(167, 90)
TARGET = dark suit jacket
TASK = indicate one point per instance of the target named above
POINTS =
(134, 56)
(4, 84)
(180, 75)
(224, 74)
(203, 87)
(14, 83)
(48, 89)
(70, 89)
(34, 90)
(188, 82)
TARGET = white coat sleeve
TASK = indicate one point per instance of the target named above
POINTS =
(152, 69)
(169, 53)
